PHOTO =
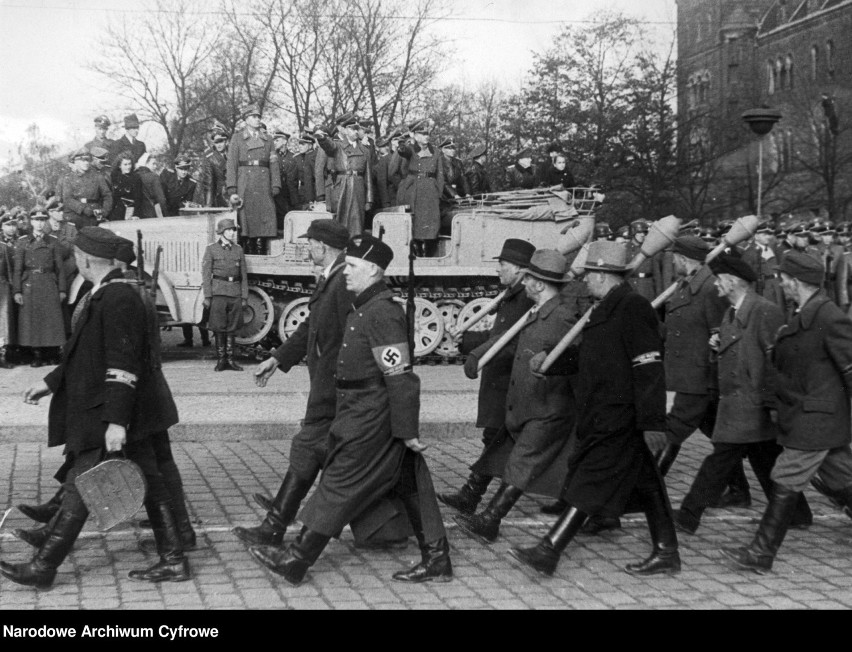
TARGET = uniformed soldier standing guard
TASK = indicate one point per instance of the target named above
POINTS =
(86, 195)
(254, 178)
(512, 262)
(65, 233)
(210, 190)
(7, 265)
(225, 282)
(102, 124)
(40, 287)
(101, 163)
(374, 446)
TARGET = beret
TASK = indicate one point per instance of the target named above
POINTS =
(124, 253)
(101, 243)
(332, 233)
(733, 264)
(692, 247)
(803, 267)
(371, 249)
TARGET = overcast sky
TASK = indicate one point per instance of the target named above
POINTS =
(45, 45)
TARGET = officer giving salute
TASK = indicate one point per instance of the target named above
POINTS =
(225, 284)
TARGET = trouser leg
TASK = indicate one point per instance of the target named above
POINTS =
(708, 485)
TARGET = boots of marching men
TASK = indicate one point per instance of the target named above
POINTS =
(467, 499)
(281, 511)
(435, 565)
(293, 562)
(173, 565)
(45, 512)
(544, 557)
(174, 485)
(664, 557)
(485, 526)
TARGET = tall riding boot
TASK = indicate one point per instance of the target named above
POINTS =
(174, 485)
(544, 557)
(4, 363)
(485, 526)
(664, 557)
(280, 512)
(467, 498)
(840, 498)
(37, 537)
(435, 565)
(43, 513)
(173, 565)
(41, 571)
(760, 554)
(38, 357)
(229, 348)
(294, 561)
(221, 354)
(666, 457)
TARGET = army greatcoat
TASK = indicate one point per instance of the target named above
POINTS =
(836, 274)
(351, 172)
(620, 393)
(126, 193)
(455, 182)
(109, 373)
(40, 277)
(152, 194)
(82, 194)
(421, 188)
(764, 261)
(692, 313)
(8, 324)
(385, 191)
(254, 174)
(378, 407)
(210, 189)
(65, 233)
(746, 395)
(477, 179)
(813, 357)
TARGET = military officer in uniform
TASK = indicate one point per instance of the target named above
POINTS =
(225, 283)
(210, 189)
(288, 199)
(40, 289)
(621, 403)
(478, 182)
(102, 124)
(374, 445)
(179, 187)
(512, 263)
(813, 359)
(101, 163)
(254, 178)
(318, 338)
(305, 161)
(86, 195)
(643, 280)
(836, 271)
(108, 366)
(130, 142)
(761, 257)
(8, 324)
(455, 183)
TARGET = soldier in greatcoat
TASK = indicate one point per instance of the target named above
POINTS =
(8, 319)
(224, 280)
(108, 395)
(387, 184)
(254, 177)
(40, 288)
(101, 163)
(86, 195)
(512, 263)
(179, 187)
(374, 446)
(210, 190)
(305, 161)
(65, 233)
(130, 142)
(621, 402)
(422, 186)
(744, 425)
(762, 257)
(319, 339)
(540, 412)
(644, 279)
(813, 361)
(351, 168)
(288, 199)
(836, 270)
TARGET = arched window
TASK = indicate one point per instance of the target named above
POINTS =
(814, 61)
(790, 71)
(772, 76)
(782, 74)
(829, 55)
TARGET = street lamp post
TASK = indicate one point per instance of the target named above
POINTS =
(760, 121)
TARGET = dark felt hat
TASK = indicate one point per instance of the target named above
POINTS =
(692, 247)
(518, 252)
(371, 249)
(99, 242)
(548, 265)
(733, 264)
(332, 233)
(131, 122)
(803, 267)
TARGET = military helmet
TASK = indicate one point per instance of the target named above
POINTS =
(709, 234)
(602, 230)
(638, 226)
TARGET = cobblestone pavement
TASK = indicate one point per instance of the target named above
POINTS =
(812, 570)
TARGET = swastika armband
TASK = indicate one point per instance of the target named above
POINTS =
(393, 359)
(121, 376)
(647, 358)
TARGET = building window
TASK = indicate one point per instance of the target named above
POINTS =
(771, 77)
(814, 61)
(829, 55)
(782, 74)
(788, 150)
(789, 67)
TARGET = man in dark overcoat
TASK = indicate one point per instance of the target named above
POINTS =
(455, 183)
(305, 161)
(512, 263)
(422, 186)
(813, 361)
(254, 178)
(374, 446)
(478, 182)
(179, 187)
(224, 281)
(318, 339)
(108, 394)
(130, 142)
(540, 412)
(287, 198)
(522, 175)
(86, 195)
(621, 403)
(8, 319)
(210, 189)
(40, 289)
(744, 425)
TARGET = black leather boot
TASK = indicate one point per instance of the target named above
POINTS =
(280, 512)
(759, 555)
(43, 513)
(173, 565)
(664, 558)
(294, 561)
(485, 526)
(840, 498)
(666, 457)
(229, 349)
(35, 537)
(468, 497)
(221, 354)
(4, 363)
(597, 524)
(435, 565)
(555, 508)
(41, 571)
(544, 557)
(174, 485)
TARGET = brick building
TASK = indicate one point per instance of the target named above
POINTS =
(734, 55)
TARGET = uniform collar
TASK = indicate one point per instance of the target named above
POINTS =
(373, 291)
(699, 279)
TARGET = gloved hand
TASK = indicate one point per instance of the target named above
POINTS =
(471, 367)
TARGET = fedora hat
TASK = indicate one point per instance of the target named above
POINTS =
(548, 265)
(607, 256)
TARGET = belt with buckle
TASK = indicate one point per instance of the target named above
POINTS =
(360, 383)
(227, 279)
(353, 173)
(254, 164)
(422, 175)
